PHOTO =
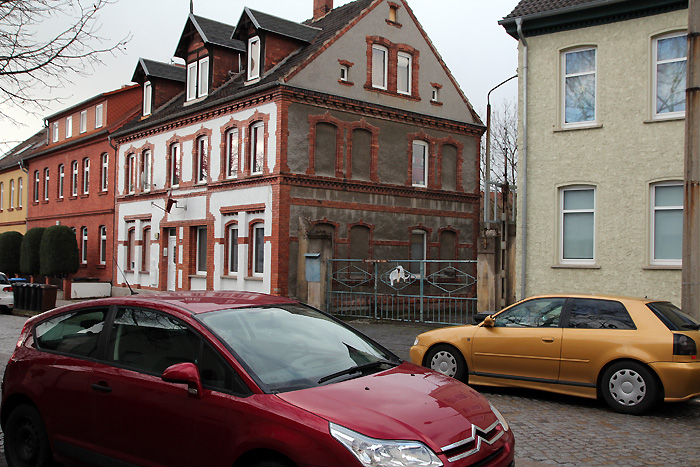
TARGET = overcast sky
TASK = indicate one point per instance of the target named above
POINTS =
(465, 32)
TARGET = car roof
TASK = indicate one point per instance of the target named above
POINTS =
(597, 296)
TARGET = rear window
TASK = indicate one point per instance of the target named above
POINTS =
(4, 279)
(673, 317)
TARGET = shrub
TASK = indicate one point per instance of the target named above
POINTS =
(59, 252)
(30, 258)
(10, 245)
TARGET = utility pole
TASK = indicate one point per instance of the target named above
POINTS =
(690, 298)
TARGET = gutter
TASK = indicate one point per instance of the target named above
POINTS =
(522, 169)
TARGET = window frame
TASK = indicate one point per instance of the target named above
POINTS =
(201, 256)
(37, 184)
(74, 178)
(19, 192)
(83, 121)
(655, 72)
(2, 196)
(99, 121)
(203, 77)
(83, 245)
(86, 175)
(46, 184)
(55, 132)
(145, 172)
(201, 161)
(103, 244)
(257, 138)
(233, 253)
(61, 179)
(258, 249)
(192, 81)
(415, 264)
(104, 172)
(174, 171)
(12, 193)
(426, 166)
(562, 215)
(385, 67)
(564, 76)
(254, 68)
(652, 225)
(232, 166)
(69, 127)
(146, 249)
(147, 98)
(409, 73)
(130, 173)
(130, 245)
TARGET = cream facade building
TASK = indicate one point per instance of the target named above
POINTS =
(601, 141)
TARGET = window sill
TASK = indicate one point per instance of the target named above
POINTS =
(229, 276)
(662, 267)
(103, 193)
(393, 23)
(679, 118)
(436, 103)
(254, 278)
(346, 83)
(197, 276)
(101, 266)
(577, 128)
(194, 101)
(575, 266)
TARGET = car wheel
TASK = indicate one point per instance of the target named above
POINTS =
(629, 387)
(26, 443)
(5, 310)
(447, 360)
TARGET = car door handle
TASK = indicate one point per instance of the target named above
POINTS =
(548, 339)
(101, 387)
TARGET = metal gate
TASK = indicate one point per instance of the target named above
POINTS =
(430, 291)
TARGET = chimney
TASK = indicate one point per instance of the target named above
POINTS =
(321, 8)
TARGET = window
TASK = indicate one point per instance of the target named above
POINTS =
(12, 193)
(83, 245)
(419, 164)
(418, 250)
(257, 147)
(74, 179)
(253, 58)
(403, 74)
(46, 184)
(86, 176)
(69, 127)
(379, 66)
(577, 225)
(667, 224)
(20, 182)
(233, 249)
(232, 153)
(435, 94)
(146, 250)
(103, 244)
(174, 172)
(393, 10)
(579, 87)
(61, 178)
(198, 79)
(344, 73)
(131, 173)
(2, 196)
(147, 96)
(36, 187)
(146, 170)
(589, 313)
(73, 333)
(104, 172)
(258, 231)
(201, 158)
(83, 121)
(670, 62)
(538, 313)
(98, 115)
(130, 250)
(55, 132)
(201, 250)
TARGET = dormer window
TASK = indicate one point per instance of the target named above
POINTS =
(55, 132)
(198, 79)
(253, 58)
(147, 98)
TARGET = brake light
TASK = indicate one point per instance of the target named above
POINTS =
(7, 289)
(684, 345)
(23, 335)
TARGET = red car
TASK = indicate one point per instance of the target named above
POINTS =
(231, 379)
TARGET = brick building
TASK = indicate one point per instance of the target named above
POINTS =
(345, 136)
(71, 179)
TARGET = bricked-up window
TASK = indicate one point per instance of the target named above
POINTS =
(36, 187)
(404, 73)
(380, 63)
(448, 245)
(130, 173)
(233, 249)
(19, 192)
(258, 231)
(104, 172)
(232, 153)
(130, 245)
(46, 184)
(86, 176)
(61, 180)
(253, 58)
(146, 250)
(146, 170)
(201, 160)
(419, 245)
(419, 164)
(74, 179)
(83, 121)
(83, 245)
(98, 115)
(201, 250)
(174, 164)
(147, 98)
(69, 127)
(359, 242)
(103, 244)
(55, 132)
(257, 147)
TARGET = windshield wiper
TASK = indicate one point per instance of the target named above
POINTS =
(356, 369)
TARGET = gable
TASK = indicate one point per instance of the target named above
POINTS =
(352, 48)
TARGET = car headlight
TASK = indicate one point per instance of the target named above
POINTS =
(500, 418)
(416, 341)
(385, 453)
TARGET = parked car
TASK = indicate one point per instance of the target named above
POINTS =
(7, 296)
(231, 379)
(631, 352)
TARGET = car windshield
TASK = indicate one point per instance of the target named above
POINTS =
(291, 347)
(672, 317)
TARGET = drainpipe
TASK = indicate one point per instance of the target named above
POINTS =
(522, 170)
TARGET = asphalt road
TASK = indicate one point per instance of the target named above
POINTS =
(549, 429)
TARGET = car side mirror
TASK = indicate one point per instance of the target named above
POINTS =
(184, 373)
(489, 322)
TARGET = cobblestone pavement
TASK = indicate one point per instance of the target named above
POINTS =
(549, 429)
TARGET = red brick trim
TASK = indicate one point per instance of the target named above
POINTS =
(248, 208)
(392, 68)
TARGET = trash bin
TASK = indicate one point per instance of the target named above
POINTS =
(34, 297)
(19, 290)
(47, 297)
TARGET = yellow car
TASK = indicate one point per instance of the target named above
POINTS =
(631, 352)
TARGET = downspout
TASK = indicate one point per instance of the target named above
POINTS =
(522, 189)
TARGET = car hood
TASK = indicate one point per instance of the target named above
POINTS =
(408, 402)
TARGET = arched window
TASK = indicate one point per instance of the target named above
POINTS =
(232, 153)
(130, 257)
(232, 244)
(257, 231)
(146, 170)
(201, 166)
(146, 250)
(174, 164)
(130, 173)
(257, 147)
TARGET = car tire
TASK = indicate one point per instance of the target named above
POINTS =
(26, 442)
(629, 387)
(5, 310)
(447, 360)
